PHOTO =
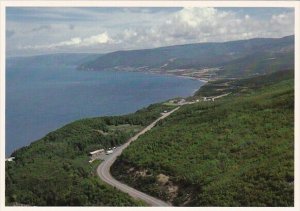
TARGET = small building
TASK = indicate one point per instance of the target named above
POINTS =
(97, 154)
(10, 159)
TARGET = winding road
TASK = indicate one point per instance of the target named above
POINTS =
(103, 169)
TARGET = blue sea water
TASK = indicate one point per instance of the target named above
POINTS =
(40, 98)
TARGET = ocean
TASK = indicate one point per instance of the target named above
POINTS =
(42, 98)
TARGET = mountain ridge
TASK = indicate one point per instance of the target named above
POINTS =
(197, 56)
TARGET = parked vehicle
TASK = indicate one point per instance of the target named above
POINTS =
(109, 152)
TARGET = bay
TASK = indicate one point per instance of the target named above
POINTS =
(42, 98)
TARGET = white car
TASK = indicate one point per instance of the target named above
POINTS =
(109, 152)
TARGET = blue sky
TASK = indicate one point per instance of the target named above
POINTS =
(38, 30)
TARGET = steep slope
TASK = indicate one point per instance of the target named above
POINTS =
(236, 151)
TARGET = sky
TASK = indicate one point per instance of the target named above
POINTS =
(34, 30)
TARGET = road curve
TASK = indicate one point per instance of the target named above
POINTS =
(103, 169)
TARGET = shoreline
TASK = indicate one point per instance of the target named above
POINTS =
(143, 72)
(149, 72)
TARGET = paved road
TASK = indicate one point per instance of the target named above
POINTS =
(216, 97)
(103, 169)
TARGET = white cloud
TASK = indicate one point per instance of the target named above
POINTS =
(97, 39)
(282, 19)
(129, 33)
(73, 41)
(102, 38)
(136, 29)
(194, 17)
(211, 24)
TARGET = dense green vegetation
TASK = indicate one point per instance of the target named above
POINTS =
(236, 151)
(55, 171)
(258, 63)
(241, 86)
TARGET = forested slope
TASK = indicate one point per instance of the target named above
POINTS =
(236, 151)
(55, 171)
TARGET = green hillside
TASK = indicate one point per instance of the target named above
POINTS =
(54, 171)
(240, 86)
(241, 58)
(257, 64)
(236, 151)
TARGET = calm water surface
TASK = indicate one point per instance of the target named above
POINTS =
(40, 98)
